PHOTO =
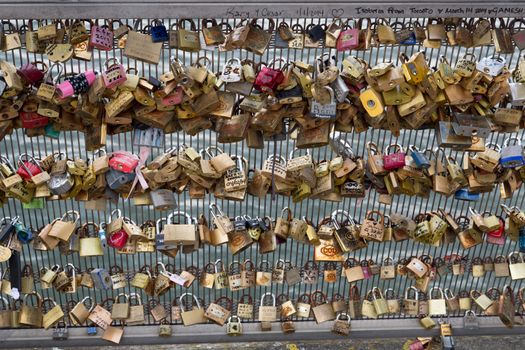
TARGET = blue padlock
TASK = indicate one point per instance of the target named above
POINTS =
(24, 235)
(158, 32)
(420, 159)
(102, 234)
(463, 194)
(521, 239)
(512, 155)
(92, 330)
(411, 40)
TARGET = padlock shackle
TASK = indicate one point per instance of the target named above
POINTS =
(216, 264)
(514, 138)
(179, 213)
(115, 62)
(124, 295)
(75, 215)
(397, 146)
(264, 266)
(298, 150)
(416, 293)
(194, 298)
(431, 293)
(26, 158)
(519, 255)
(265, 295)
(214, 209)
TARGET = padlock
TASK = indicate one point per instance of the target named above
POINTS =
(372, 101)
(516, 267)
(379, 302)
(101, 37)
(232, 71)
(481, 299)
(114, 74)
(466, 65)
(324, 110)
(341, 326)
(269, 77)
(60, 332)
(158, 31)
(420, 159)
(234, 326)
(395, 160)
(512, 156)
(411, 304)
(491, 65)
(165, 329)
(437, 306)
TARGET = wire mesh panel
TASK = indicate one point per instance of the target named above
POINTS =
(72, 143)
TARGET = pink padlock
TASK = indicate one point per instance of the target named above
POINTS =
(114, 75)
(124, 161)
(175, 98)
(101, 37)
(395, 160)
(348, 39)
(366, 269)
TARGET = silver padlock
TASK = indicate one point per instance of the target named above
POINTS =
(231, 72)
(470, 320)
(60, 332)
(340, 88)
(491, 65)
(163, 199)
(512, 155)
(61, 183)
(101, 279)
(326, 111)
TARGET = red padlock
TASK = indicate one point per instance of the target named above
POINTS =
(269, 78)
(28, 167)
(497, 236)
(101, 37)
(118, 239)
(31, 74)
(348, 39)
(124, 161)
(395, 160)
(31, 120)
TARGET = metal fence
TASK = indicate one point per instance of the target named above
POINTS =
(72, 143)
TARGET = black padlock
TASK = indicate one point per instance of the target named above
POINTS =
(240, 223)
(155, 82)
(316, 32)
(8, 227)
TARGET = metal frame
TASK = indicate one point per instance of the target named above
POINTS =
(72, 142)
(252, 8)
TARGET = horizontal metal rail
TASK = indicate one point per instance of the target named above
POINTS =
(251, 9)
(148, 335)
